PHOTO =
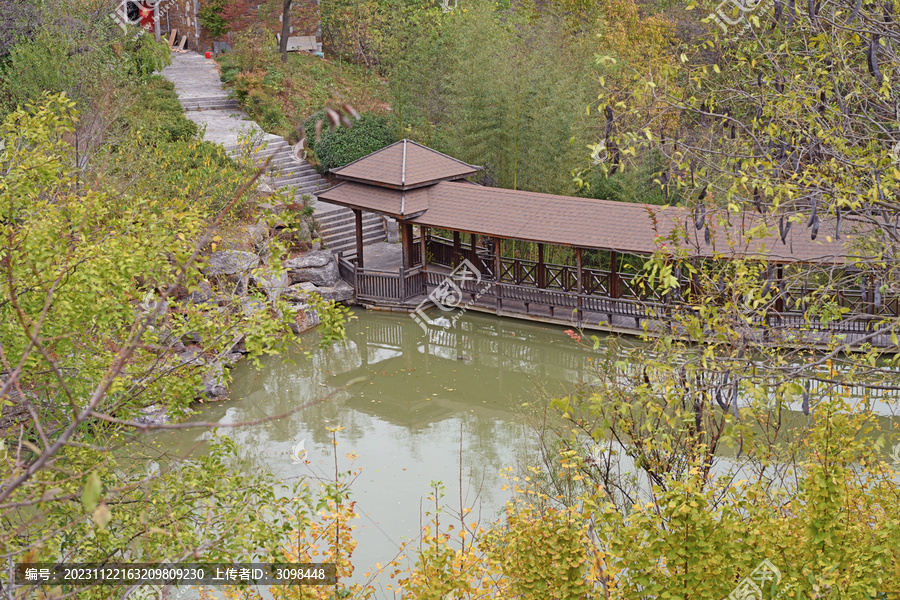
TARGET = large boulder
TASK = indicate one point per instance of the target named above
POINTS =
(319, 268)
(273, 283)
(340, 292)
(229, 270)
(231, 262)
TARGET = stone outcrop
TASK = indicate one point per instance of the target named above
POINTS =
(319, 268)
(230, 270)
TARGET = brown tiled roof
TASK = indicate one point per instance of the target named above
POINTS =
(405, 165)
(586, 222)
(395, 203)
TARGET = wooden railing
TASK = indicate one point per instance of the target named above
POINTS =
(389, 286)
(347, 270)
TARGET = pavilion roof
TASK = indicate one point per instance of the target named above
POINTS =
(405, 165)
(589, 223)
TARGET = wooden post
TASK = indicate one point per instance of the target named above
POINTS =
(406, 244)
(457, 250)
(579, 288)
(497, 271)
(359, 238)
(779, 278)
(473, 256)
(422, 232)
(614, 274)
(541, 270)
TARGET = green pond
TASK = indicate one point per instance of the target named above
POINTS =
(446, 405)
(416, 407)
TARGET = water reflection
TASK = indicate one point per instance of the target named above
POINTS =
(441, 406)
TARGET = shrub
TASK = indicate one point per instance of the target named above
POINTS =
(160, 115)
(343, 145)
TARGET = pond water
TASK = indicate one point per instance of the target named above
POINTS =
(438, 406)
(416, 407)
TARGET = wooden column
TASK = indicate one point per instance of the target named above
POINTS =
(473, 254)
(579, 287)
(422, 232)
(457, 249)
(779, 279)
(614, 274)
(406, 244)
(359, 238)
(541, 270)
(497, 271)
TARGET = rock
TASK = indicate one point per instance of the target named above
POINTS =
(305, 320)
(153, 415)
(203, 294)
(257, 234)
(272, 283)
(192, 338)
(340, 292)
(318, 267)
(298, 291)
(266, 185)
(311, 260)
(391, 230)
(232, 285)
(214, 382)
(252, 306)
(232, 358)
(231, 262)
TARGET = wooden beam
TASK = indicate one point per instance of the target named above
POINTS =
(541, 268)
(457, 250)
(579, 287)
(359, 238)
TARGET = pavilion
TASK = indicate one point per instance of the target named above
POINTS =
(426, 190)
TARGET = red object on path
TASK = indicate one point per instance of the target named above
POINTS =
(209, 55)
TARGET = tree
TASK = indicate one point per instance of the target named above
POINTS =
(285, 28)
(95, 299)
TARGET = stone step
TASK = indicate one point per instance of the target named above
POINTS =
(202, 99)
(273, 144)
(349, 247)
(217, 105)
(293, 179)
(348, 229)
(347, 219)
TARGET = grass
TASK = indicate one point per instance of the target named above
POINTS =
(283, 95)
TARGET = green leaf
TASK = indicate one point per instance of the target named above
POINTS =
(91, 493)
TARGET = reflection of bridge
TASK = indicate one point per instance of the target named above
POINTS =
(428, 190)
(528, 350)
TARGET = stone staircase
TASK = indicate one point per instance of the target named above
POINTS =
(338, 230)
(210, 103)
(337, 225)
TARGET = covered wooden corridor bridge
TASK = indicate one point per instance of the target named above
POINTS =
(426, 190)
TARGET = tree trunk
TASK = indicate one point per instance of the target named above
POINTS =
(285, 29)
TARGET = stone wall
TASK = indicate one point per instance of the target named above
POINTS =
(181, 15)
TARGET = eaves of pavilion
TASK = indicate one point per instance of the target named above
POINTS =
(423, 187)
